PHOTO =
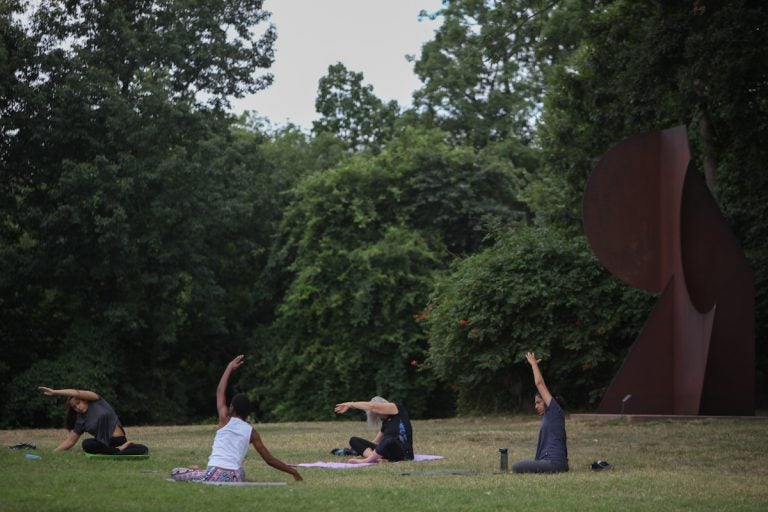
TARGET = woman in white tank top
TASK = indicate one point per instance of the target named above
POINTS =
(230, 445)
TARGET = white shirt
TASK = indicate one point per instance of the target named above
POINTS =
(230, 444)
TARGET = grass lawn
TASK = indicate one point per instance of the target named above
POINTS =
(693, 465)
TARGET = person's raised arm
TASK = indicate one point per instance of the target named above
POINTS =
(385, 408)
(221, 390)
(73, 393)
(271, 459)
(538, 378)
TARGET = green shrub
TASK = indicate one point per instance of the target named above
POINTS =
(535, 290)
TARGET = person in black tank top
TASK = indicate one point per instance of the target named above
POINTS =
(394, 442)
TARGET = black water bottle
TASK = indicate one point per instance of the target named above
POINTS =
(504, 462)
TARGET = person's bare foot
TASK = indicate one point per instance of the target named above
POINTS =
(125, 445)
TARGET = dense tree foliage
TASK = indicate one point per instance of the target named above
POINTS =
(651, 65)
(484, 72)
(361, 244)
(352, 112)
(533, 290)
(126, 198)
(147, 235)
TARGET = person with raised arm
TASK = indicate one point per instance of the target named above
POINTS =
(88, 412)
(551, 450)
(230, 445)
(393, 443)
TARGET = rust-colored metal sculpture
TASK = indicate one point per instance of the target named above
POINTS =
(652, 222)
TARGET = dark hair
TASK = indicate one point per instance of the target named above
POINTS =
(70, 416)
(560, 400)
(241, 405)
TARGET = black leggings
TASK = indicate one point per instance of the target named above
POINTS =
(390, 448)
(540, 466)
(91, 445)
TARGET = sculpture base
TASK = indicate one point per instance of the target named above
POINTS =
(639, 418)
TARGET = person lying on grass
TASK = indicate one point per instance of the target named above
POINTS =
(88, 412)
(393, 443)
(230, 445)
(552, 450)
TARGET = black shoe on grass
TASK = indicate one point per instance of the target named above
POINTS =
(23, 446)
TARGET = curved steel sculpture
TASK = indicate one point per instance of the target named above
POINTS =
(652, 222)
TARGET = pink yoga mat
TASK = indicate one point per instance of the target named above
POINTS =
(347, 465)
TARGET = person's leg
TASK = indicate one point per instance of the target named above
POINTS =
(91, 445)
(539, 466)
(213, 474)
(120, 443)
(391, 449)
(135, 449)
(184, 474)
(359, 445)
(122, 446)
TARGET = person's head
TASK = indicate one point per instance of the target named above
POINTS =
(374, 420)
(240, 406)
(75, 406)
(541, 407)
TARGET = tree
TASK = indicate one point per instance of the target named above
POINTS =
(536, 289)
(16, 50)
(351, 110)
(484, 71)
(357, 274)
(456, 194)
(360, 246)
(128, 216)
(195, 49)
(650, 65)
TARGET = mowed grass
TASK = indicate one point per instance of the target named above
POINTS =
(692, 465)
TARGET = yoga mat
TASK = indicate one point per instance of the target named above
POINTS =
(233, 484)
(333, 465)
(116, 457)
(432, 473)
(420, 458)
(347, 465)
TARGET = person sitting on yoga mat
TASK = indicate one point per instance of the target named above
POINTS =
(230, 445)
(551, 451)
(394, 442)
(88, 412)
